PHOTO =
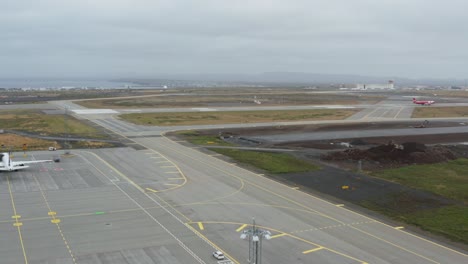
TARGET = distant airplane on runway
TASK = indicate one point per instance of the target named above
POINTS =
(422, 102)
(8, 165)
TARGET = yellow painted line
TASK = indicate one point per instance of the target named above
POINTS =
(399, 227)
(175, 178)
(171, 184)
(278, 235)
(168, 166)
(151, 190)
(18, 224)
(172, 172)
(16, 216)
(200, 225)
(241, 227)
(54, 220)
(312, 250)
(116, 171)
(156, 158)
(164, 161)
(339, 205)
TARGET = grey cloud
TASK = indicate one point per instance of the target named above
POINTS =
(114, 38)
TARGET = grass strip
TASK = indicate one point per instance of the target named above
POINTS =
(448, 179)
(271, 162)
(235, 117)
(430, 112)
(195, 137)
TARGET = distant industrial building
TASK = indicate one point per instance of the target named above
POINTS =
(376, 86)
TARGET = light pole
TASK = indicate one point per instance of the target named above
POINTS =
(255, 236)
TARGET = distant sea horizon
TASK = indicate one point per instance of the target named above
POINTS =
(60, 83)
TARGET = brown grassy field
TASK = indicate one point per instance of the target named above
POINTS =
(15, 143)
(235, 117)
(429, 112)
(233, 97)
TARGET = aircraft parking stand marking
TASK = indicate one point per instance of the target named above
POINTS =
(55, 220)
(17, 223)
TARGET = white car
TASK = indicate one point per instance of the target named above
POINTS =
(218, 254)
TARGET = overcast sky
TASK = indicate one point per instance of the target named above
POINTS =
(146, 38)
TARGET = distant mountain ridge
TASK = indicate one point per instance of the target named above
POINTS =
(293, 78)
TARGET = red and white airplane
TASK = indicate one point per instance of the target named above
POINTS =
(422, 102)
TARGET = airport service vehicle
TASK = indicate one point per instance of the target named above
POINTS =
(422, 102)
(218, 254)
(6, 164)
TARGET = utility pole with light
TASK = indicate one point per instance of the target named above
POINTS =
(255, 236)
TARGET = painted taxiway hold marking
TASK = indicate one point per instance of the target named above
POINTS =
(278, 235)
(16, 216)
(241, 227)
(399, 227)
(339, 205)
(312, 250)
(51, 213)
(55, 221)
(18, 224)
(151, 190)
(200, 225)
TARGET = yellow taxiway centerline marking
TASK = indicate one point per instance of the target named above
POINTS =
(172, 172)
(156, 158)
(17, 223)
(339, 205)
(171, 184)
(399, 227)
(312, 250)
(278, 235)
(151, 190)
(175, 178)
(164, 161)
(167, 166)
(200, 225)
(241, 227)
